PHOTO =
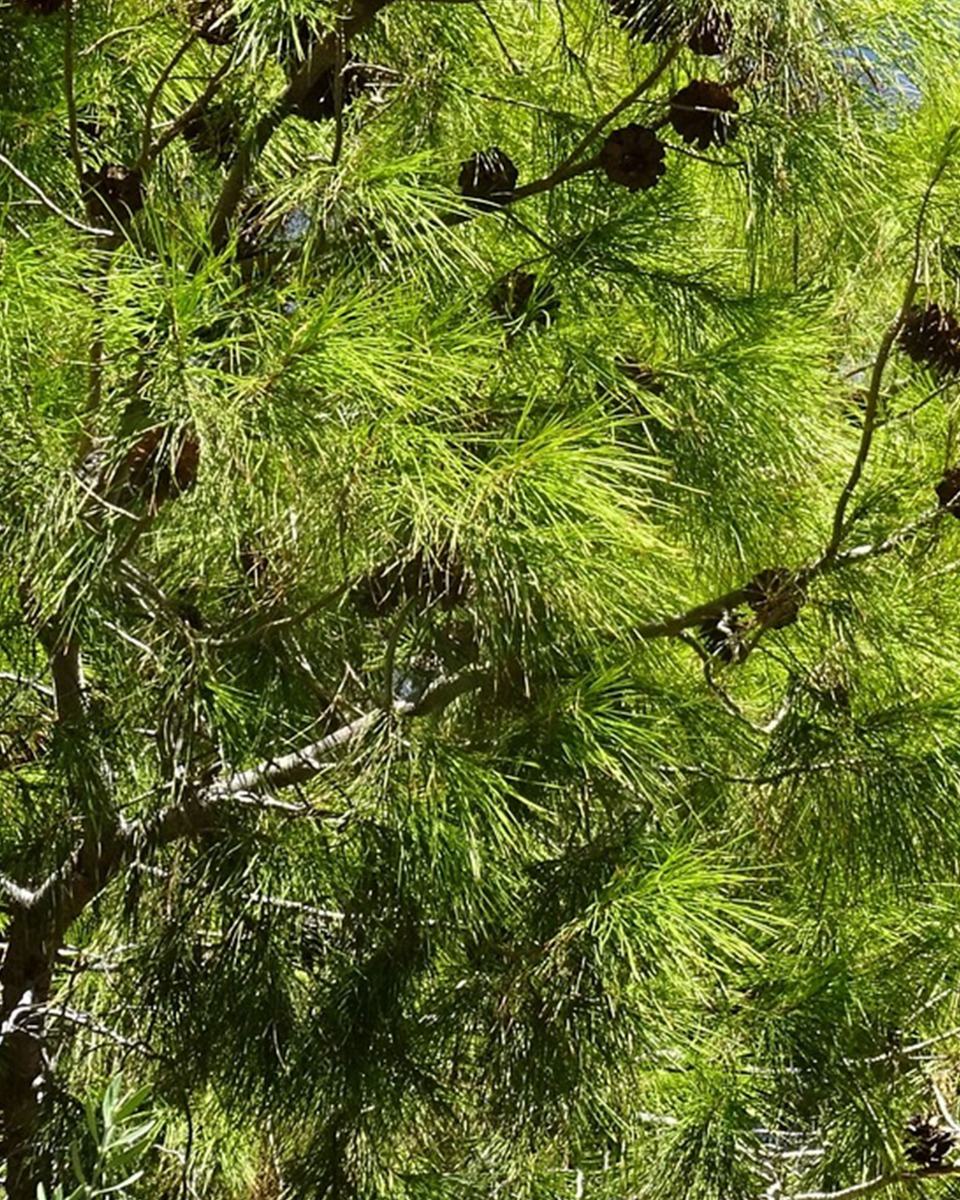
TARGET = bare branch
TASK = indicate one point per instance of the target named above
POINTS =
(154, 96)
(48, 203)
(877, 1183)
(33, 684)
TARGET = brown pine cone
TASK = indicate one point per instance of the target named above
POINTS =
(931, 335)
(633, 157)
(775, 596)
(702, 112)
(113, 194)
(948, 490)
(488, 177)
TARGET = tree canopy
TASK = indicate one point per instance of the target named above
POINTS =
(479, 621)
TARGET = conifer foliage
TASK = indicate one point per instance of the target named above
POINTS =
(479, 618)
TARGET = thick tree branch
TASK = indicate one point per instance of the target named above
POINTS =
(71, 93)
(302, 765)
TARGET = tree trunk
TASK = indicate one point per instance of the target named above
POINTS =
(25, 978)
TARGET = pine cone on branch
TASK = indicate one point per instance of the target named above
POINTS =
(113, 194)
(633, 157)
(775, 597)
(948, 490)
(928, 1143)
(213, 21)
(488, 177)
(723, 636)
(931, 336)
(702, 112)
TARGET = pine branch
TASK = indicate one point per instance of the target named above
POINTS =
(883, 354)
(194, 110)
(50, 204)
(878, 1183)
(304, 764)
(154, 97)
(675, 626)
(321, 57)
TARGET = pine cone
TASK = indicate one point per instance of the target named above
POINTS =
(723, 636)
(651, 20)
(320, 102)
(931, 335)
(159, 467)
(113, 194)
(664, 21)
(711, 34)
(633, 157)
(701, 113)
(948, 490)
(929, 1144)
(775, 596)
(429, 577)
(520, 296)
(489, 177)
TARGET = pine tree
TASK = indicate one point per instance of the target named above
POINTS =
(479, 642)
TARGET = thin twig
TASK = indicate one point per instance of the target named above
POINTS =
(69, 90)
(34, 684)
(877, 1183)
(154, 97)
(496, 34)
(50, 204)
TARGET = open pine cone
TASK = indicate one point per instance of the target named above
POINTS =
(633, 157)
(488, 177)
(775, 596)
(931, 335)
(928, 1143)
(664, 21)
(702, 112)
